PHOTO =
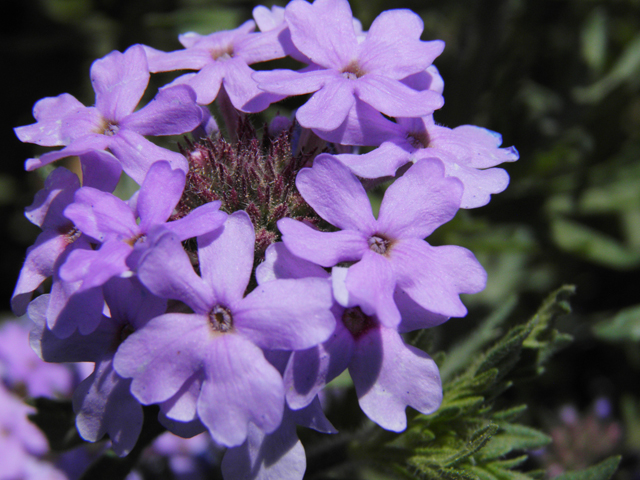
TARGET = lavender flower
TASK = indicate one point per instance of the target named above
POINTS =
(222, 60)
(389, 252)
(119, 80)
(370, 70)
(209, 363)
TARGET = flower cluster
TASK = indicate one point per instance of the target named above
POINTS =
(246, 274)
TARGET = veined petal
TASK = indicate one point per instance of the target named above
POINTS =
(201, 220)
(104, 405)
(329, 106)
(166, 270)
(289, 314)
(308, 371)
(415, 317)
(419, 202)
(390, 375)
(395, 99)
(381, 162)
(192, 59)
(371, 283)
(137, 154)
(100, 170)
(280, 263)
(161, 356)
(119, 80)
(95, 267)
(173, 111)
(288, 82)
(478, 184)
(182, 406)
(336, 195)
(324, 248)
(159, 194)
(49, 113)
(102, 215)
(323, 31)
(226, 258)
(78, 147)
(434, 277)
(243, 91)
(240, 387)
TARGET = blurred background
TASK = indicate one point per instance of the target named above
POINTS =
(559, 79)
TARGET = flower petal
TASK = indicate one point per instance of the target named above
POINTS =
(159, 194)
(395, 99)
(281, 263)
(200, 221)
(419, 202)
(434, 277)
(286, 314)
(119, 80)
(240, 387)
(336, 195)
(328, 107)
(390, 375)
(323, 248)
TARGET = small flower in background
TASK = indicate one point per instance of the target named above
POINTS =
(581, 439)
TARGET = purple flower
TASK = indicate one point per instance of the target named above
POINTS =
(347, 69)
(388, 374)
(119, 80)
(388, 253)
(209, 363)
(468, 153)
(103, 401)
(20, 367)
(222, 60)
(112, 222)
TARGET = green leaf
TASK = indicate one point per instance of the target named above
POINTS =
(602, 471)
(513, 437)
(624, 326)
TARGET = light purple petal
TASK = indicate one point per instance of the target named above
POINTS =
(395, 99)
(182, 406)
(206, 83)
(49, 113)
(240, 387)
(78, 147)
(119, 80)
(430, 79)
(336, 195)
(364, 125)
(258, 47)
(74, 348)
(163, 355)
(381, 162)
(390, 375)
(478, 184)
(323, 248)
(419, 202)
(166, 270)
(371, 283)
(49, 203)
(414, 317)
(288, 82)
(102, 215)
(226, 258)
(100, 170)
(434, 277)
(329, 106)
(323, 31)
(200, 221)
(192, 59)
(308, 371)
(95, 267)
(393, 48)
(159, 194)
(38, 266)
(281, 263)
(130, 303)
(182, 429)
(137, 154)
(243, 91)
(279, 455)
(312, 416)
(287, 314)
(104, 405)
(173, 111)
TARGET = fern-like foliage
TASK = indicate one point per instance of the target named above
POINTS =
(469, 438)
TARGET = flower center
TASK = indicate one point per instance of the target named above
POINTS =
(223, 53)
(221, 319)
(418, 139)
(379, 244)
(133, 241)
(111, 128)
(352, 71)
(357, 322)
(71, 235)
